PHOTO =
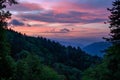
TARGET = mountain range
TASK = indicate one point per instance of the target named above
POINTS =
(97, 48)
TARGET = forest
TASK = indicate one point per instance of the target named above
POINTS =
(25, 57)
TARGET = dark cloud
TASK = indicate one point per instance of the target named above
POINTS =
(70, 17)
(65, 30)
(16, 23)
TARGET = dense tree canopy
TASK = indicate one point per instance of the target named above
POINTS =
(68, 61)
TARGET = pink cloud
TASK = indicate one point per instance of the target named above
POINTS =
(60, 12)
(63, 19)
(66, 6)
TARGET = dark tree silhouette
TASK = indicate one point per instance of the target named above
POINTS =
(6, 62)
(114, 21)
(4, 15)
(112, 57)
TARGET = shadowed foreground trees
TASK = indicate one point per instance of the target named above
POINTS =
(7, 65)
(30, 68)
(110, 67)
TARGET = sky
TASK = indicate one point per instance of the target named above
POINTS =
(71, 22)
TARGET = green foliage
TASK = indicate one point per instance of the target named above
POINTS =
(112, 60)
(7, 67)
(100, 72)
(21, 70)
(34, 67)
(50, 74)
(30, 68)
(70, 73)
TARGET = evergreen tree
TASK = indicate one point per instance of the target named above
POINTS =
(6, 62)
(114, 21)
(22, 70)
(112, 57)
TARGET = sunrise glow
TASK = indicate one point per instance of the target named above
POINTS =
(62, 19)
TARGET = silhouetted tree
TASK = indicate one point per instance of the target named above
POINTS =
(114, 21)
(113, 54)
(6, 62)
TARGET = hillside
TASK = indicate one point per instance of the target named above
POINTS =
(97, 48)
(68, 61)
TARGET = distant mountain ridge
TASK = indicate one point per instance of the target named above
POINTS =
(97, 48)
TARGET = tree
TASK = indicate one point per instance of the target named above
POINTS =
(4, 15)
(6, 62)
(114, 21)
(21, 70)
(30, 68)
(112, 57)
